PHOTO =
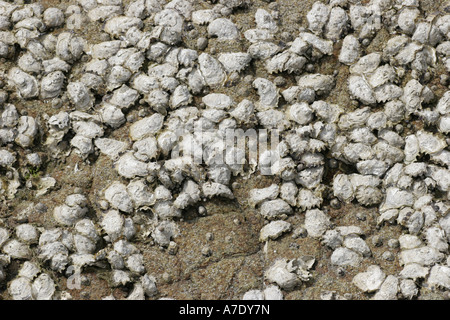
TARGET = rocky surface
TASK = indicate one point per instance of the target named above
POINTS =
(120, 177)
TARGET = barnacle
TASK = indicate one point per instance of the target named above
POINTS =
(368, 196)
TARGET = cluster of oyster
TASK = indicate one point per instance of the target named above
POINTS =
(401, 171)
(393, 138)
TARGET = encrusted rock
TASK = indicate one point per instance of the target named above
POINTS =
(316, 222)
(371, 280)
(273, 209)
(274, 229)
(345, 257)
(279, 274)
